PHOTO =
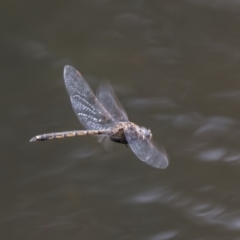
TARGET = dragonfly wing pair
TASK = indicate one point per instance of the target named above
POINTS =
(94, 113)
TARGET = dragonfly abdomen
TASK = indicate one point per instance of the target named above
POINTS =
(58, 135)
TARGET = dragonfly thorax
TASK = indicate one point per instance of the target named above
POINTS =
(117, 132)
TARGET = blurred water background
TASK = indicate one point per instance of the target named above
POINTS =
(174, 66)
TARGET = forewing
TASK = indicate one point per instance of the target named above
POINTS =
(107, 97)
(90, 112)
(145, 150)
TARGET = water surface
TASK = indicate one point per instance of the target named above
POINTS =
(174, 67)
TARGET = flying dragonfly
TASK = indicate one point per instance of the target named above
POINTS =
(104, 116)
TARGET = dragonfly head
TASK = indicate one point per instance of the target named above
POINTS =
(146, 132)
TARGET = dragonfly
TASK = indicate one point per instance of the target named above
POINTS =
(104, 116)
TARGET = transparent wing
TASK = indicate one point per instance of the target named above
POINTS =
(145, 149)
(107, 97)
(90, 112)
